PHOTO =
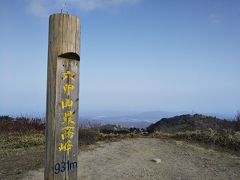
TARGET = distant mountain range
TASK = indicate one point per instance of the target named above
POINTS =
(138, 120)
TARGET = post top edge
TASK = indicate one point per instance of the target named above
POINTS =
(63, 14)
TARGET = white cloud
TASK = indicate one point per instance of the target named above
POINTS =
(42, 8)
(214, 18)
(37, 8)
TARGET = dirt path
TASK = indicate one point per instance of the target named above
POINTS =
(131, 159)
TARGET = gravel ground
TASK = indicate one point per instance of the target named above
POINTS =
(133, 159)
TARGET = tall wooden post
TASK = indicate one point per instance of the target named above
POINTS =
(62, 97)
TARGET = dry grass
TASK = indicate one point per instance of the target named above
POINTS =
(89, 136)
(226, 139)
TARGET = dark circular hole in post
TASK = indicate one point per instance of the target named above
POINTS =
(70, 55)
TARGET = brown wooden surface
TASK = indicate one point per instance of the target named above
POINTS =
(64, 37)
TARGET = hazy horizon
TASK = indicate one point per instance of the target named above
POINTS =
(125, 115)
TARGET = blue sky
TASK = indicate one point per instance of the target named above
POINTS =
(136, 55)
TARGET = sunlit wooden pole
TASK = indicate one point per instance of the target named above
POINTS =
(62, 97)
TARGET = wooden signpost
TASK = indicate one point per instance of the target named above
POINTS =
(62, 97)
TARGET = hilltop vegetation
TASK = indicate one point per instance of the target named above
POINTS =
(192, 123)
(20, 132)
(199, 128)
(20, 125)
(23, 132)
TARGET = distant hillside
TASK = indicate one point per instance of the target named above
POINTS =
(193, 122)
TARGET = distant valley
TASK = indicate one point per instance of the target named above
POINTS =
(138, 120)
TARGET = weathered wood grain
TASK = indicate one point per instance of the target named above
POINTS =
(63, 55)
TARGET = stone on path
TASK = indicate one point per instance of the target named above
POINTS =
(157, 160)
